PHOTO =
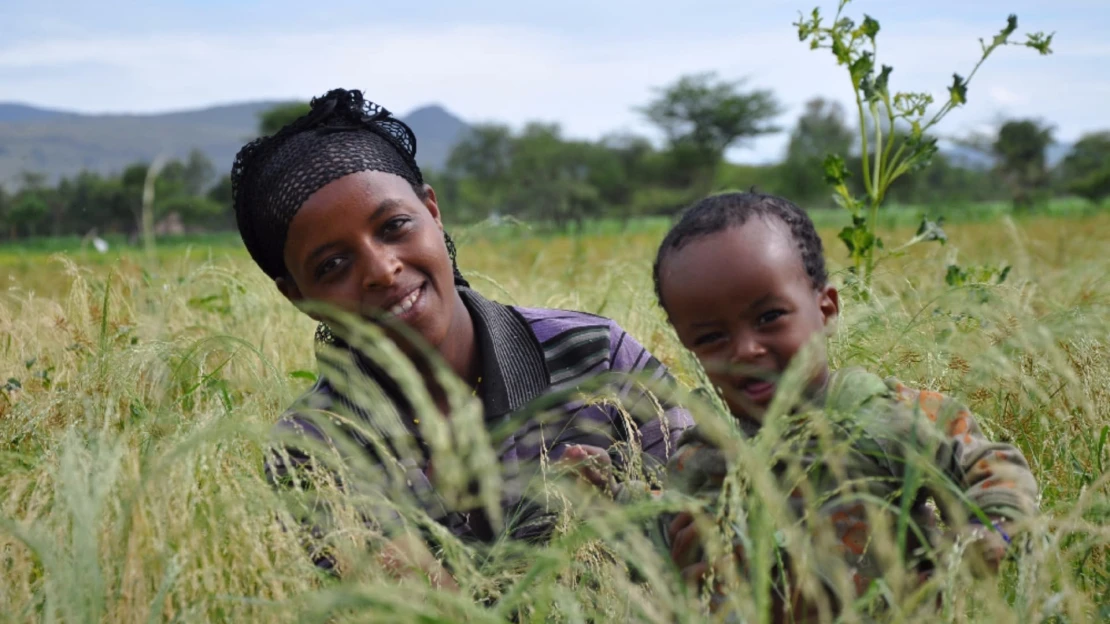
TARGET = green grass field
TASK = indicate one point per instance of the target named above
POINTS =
(139, 391)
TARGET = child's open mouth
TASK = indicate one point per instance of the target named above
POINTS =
(758, 391)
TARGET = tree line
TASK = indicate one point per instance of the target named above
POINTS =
(538, 174)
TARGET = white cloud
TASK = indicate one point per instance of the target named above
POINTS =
(515, 74)
(1005, 97)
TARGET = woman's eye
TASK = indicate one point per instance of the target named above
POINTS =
(395, 225)
(329, 266)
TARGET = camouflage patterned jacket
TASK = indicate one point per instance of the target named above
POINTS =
(886, 439)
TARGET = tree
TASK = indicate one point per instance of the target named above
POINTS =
(550, 176)
(87, 204)
(821, 131)
(274, 119)
(942, 182)
(1086, 169)
(28, 211)
(221, 192)
(621, 165)
(483, 157)
(131, 192)
(5, 220)
(1020, 149)
(197, 173)
(702, 116)
(194, 209)
(180, 187)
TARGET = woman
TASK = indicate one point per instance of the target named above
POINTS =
(335, 210)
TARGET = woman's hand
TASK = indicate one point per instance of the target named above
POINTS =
(407, 556)
(590, 464)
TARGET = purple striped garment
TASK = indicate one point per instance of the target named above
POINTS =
(528, 356)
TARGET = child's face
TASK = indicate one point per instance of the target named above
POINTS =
(366, 243)
(741, 301)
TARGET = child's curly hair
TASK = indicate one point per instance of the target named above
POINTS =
(719, 212)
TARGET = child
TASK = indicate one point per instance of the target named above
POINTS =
(742, 278)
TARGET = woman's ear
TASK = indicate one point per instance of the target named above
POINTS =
(828, 301)
(288, 289)
(432, 204)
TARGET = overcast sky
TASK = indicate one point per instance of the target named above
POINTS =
(583, 63)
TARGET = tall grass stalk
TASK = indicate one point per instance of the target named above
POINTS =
(140, 394)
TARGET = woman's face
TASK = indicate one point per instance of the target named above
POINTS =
(367, 244)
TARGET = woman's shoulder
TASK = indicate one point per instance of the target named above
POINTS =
(579, 334)
(550, 322)
(319, 398)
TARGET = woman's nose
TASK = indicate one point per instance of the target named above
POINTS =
(380, 269)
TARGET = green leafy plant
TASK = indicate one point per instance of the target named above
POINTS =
(893, 127)
(976, 279)
(975, 275)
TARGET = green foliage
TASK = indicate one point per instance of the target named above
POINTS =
(5, 205)
(538, 175)
(885, 154)
(192, 176)
(821, 130)
(221, 192)
(977, 280)
(28, 209)
(701, 116)
(1020, 149)
(1086, 169)
(89, 202)
(961, 276)
(270, 121)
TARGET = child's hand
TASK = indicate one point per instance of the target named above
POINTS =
(989, 546)
(591, 464)
(687, 554)
(685, 541)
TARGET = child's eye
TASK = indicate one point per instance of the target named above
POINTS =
(771, 316)
(395, 225)
(707, 339)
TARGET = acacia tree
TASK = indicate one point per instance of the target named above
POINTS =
(701, 116)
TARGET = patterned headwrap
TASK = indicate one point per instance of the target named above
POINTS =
(341, 134)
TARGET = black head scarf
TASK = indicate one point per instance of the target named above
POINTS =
(341, 134)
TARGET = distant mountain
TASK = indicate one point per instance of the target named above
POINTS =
(437, 132)
(21, 112)
(60, 143)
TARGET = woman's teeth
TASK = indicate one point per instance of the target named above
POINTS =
(406, 304)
